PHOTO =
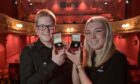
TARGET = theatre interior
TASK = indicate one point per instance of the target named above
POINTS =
(17, 28)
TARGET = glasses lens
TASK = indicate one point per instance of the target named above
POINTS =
(43, 27)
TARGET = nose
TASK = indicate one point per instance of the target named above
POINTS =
(47, 30)
(92, 36)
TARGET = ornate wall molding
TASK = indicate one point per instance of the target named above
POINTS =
(9, 25)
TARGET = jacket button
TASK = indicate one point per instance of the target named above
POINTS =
(44, 63)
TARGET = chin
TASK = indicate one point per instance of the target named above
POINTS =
(45, 39)
(95, 47)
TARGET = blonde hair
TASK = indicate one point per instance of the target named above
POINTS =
(45, 12)
(108, 48)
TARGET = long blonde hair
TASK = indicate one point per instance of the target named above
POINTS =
(108, 48)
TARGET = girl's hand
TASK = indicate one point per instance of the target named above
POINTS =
(74, 57)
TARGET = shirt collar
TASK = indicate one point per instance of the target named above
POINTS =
(40, 45)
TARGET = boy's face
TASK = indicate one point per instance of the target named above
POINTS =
(45, 28)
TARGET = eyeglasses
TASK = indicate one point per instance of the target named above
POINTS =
(44, 27)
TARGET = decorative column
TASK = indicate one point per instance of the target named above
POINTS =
(3, 51)
(138, 35)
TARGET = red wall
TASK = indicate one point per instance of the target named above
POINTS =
(133, 8)
(129, 45)
(8, 7)
(3, 58)
(10, 47)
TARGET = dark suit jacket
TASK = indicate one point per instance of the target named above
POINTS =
(36, 66)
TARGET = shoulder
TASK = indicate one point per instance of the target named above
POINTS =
(31, 46)
(27, 49)
(25, 55)
(119, 55)
(119, 58)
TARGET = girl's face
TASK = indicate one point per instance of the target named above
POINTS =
(96, 34)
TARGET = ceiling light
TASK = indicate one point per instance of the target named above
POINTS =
(19, 25)
(31, 4)
(15, 2)
(127, 1)
(106, 3)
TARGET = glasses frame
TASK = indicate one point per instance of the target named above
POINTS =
(44, 27)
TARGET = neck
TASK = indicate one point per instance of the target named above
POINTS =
(47, 44)
(98, 51)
